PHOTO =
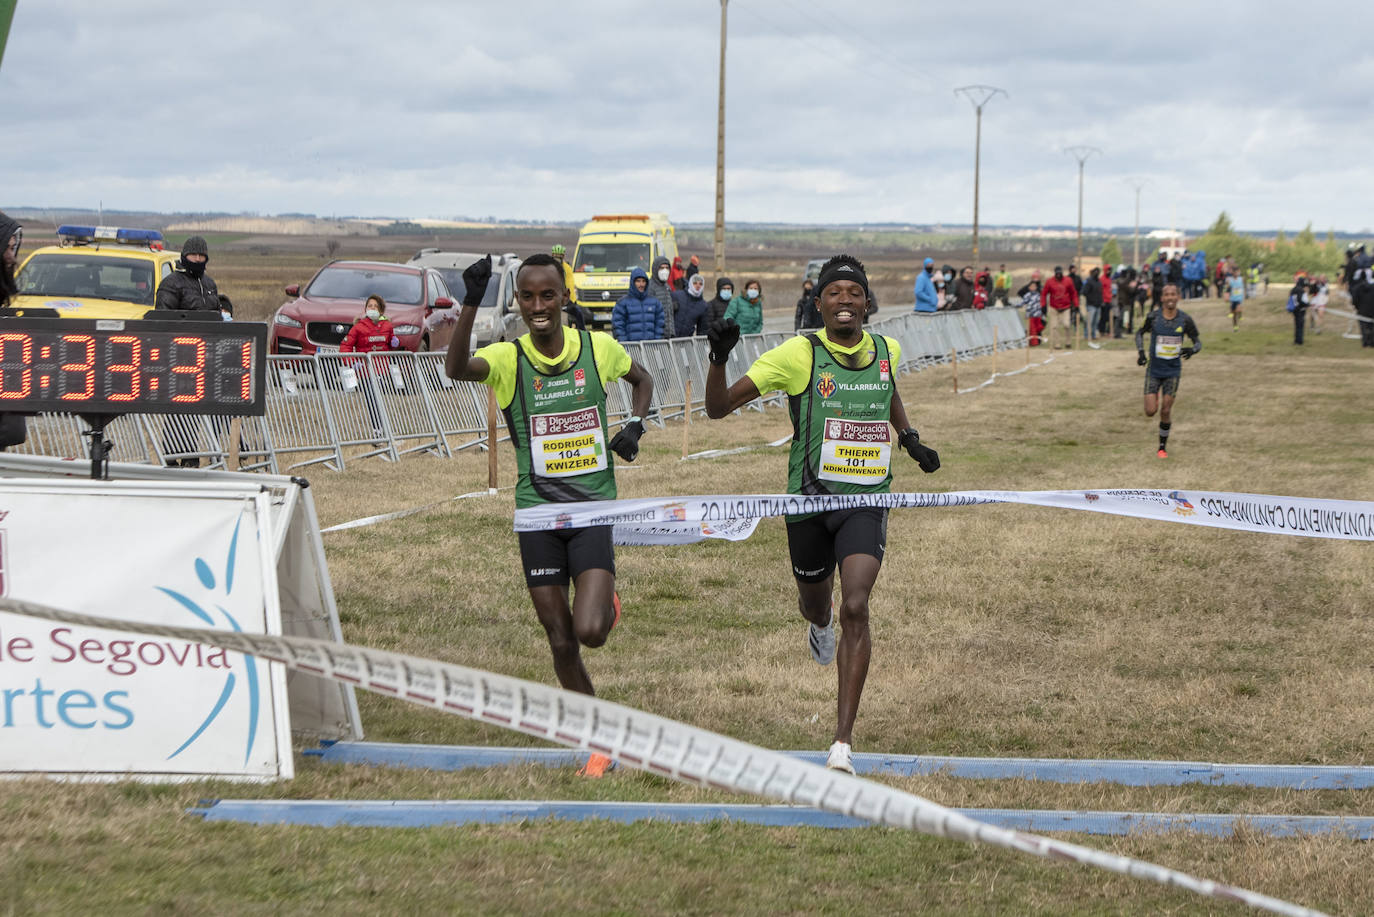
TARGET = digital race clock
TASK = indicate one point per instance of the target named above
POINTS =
(112, 366)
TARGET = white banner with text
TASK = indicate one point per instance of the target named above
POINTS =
(87, 702)
(684, 520)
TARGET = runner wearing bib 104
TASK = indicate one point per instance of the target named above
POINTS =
(551, 386)
(844, 403)
(1167, 326)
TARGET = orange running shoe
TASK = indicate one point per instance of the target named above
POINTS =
(1162, 454)
(615, 603)
(597, 766)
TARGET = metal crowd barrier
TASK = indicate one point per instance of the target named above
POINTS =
(330, 409)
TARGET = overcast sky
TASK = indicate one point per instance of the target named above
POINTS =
(837, 110)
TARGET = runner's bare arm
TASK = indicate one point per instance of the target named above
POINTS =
(641, 389)
(721, 400)
(897, 412)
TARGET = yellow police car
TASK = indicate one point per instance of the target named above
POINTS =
(95, 272)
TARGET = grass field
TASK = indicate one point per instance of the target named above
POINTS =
(1010, 631)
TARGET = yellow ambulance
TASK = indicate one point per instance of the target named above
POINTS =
(608, 248)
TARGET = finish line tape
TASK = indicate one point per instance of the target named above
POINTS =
(647, 742)
(1015, 372)
(400, 513)
(683, 520)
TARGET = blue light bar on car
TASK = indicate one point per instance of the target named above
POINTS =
(118, 234)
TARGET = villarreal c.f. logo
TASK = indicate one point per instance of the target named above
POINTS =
(825, 385)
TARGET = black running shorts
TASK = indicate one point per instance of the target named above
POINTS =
(817, 543)
(557, 557)
(1166, 385)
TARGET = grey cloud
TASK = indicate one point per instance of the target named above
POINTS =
(836, 110)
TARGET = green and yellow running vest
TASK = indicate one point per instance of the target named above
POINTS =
(841, 438)
(557, 422)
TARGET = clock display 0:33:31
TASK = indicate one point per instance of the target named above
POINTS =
(195, 368)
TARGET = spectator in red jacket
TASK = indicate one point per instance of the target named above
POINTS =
(371, 333)
(1060, 297)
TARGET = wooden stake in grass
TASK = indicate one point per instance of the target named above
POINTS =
(954, 366)
(235, 427)
(491, 440)
(686, 413)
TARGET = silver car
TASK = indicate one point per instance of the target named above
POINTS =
(498, 317)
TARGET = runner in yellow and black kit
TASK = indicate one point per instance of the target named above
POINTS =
(841, 387)
(551, 383)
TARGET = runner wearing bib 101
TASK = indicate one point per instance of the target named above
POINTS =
(844, 402)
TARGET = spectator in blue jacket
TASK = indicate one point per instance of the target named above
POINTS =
(927, 300)
(689, 308)
(637, 316)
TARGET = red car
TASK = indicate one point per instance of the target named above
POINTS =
(318, 319)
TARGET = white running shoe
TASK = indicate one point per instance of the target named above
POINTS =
(840, 758)
(822, 640)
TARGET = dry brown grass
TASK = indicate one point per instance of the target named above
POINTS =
(997, 630)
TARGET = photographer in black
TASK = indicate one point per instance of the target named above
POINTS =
(12, 428)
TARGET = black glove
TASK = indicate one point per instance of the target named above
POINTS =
(626, 442)
(927, 458)
(723, 334)
(475, 279)
(1140, 358)
(1186, 352)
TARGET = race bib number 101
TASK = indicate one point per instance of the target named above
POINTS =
(856, 451)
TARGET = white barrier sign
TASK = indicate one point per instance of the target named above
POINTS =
(90, 702)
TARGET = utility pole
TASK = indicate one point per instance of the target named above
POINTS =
(1135, 254)
(978, 96)
(720, 153)
(1081, 153)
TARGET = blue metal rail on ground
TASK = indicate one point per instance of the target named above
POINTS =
(1050, 770)
(427, 813)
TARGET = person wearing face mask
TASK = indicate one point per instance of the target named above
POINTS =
(747, 310)
(725, 291)
(662, 290)
(372, 332)
(190, 289)
(808, 315)
(11, 237)
(690, 307)
(637, 316)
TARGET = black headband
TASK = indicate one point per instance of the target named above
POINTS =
(842, 270)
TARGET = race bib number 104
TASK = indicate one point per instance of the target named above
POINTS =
(567, 444)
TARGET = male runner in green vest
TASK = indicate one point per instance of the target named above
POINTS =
(842, 394)
(551, 385)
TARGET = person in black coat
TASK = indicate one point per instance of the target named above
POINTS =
(808, 315)
(1300, 297)
(190, 289)
(13, 427)
(725, 291)
(11, 237)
